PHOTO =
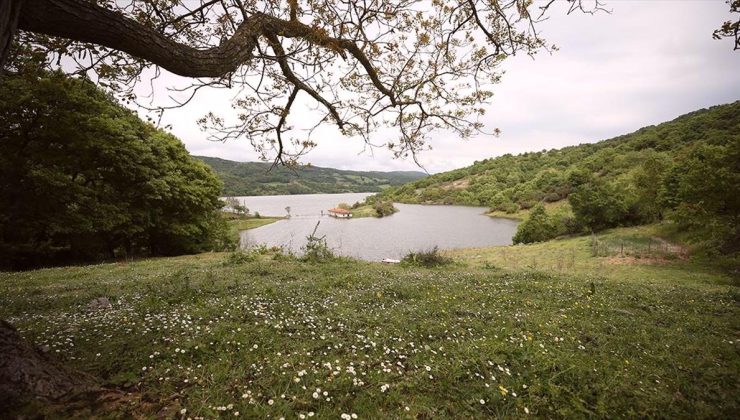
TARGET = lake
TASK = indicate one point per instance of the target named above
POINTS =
(413, 228)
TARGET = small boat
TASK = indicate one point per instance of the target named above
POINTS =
(390, 261)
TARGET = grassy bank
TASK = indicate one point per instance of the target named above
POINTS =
(284, 338)
(252, 222)
(239, 223)
(364, 211)
(632, 254)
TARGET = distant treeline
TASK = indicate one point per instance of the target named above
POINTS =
(256, 178)
(686, 171)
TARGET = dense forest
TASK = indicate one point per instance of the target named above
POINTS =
(686, 170)
(84, 179)
(258, 178)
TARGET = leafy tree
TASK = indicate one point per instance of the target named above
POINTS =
(384, 208)
(538, 227)
(648, 181)
(67, 196)
(703, 192)
(597, 204)
(730, 29)
(236, 206)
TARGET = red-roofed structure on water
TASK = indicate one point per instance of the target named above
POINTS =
(340, 213)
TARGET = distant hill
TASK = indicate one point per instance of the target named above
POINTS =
(256, 178)
(509, 183)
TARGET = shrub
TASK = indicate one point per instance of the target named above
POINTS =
(508, 207)
(384, 208)
(316, 249)
(598, 204)
(538, 227)
(240, 257)
(429, 258)
(552, 197)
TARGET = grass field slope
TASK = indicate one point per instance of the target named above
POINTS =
(616, 325)
(256, 178)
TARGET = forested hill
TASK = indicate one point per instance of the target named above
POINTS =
(508, 183)
(256, 178)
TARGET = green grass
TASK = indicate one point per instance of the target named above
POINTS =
(253, 222)
(364, 211)
(260, 338)
(624, 254)
(240, 223)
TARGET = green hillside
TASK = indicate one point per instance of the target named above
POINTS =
(256, 178)
(511, 183)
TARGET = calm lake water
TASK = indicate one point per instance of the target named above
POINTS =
(413, 228)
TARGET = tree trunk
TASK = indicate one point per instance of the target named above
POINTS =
(26, 373)
(10, 11)
(86, 21)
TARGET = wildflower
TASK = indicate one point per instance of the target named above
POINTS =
(183, 411)
(526, 410)
(270, 402)
(384, 388)
(482, 401)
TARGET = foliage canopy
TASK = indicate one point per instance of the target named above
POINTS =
(82, 178)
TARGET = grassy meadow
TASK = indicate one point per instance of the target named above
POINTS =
(544, 330)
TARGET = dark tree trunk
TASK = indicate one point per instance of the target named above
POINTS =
(10, 11)
(26, 373)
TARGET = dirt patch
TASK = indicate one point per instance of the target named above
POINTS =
(631, 260)
(671, 248)
(456, 185)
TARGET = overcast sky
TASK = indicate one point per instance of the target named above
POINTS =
(647, 62)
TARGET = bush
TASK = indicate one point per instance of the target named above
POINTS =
(240, 257)
(538, 227)
(384, 208)
(598, 204)
(552, 197)
(429, 258)
(316, 249)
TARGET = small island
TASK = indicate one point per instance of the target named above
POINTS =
(371, 207)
